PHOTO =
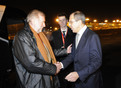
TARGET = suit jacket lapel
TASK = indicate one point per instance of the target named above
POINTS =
(60, 37)
(82, 41)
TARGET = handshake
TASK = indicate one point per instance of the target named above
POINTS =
(71, 77)
(58, 66)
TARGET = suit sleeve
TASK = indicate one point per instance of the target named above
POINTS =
(69, 59)
(95, 58)
(26, 55)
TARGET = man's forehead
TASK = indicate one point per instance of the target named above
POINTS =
(42, 17)
(61, 17)
(71, 17)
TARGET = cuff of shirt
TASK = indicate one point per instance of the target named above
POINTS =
(61, 65)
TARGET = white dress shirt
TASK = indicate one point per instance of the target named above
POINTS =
(64, 30)
(79, 35)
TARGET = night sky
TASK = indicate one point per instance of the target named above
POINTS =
(52, 8)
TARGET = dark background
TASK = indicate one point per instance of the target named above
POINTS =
(101, 10)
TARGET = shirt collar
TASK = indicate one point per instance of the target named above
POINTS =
(64, 30)
(82, 30)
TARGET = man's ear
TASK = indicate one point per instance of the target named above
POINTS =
(79, 22)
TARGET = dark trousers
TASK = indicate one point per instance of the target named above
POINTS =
(63, 73)
(4, 79)
(64, 83)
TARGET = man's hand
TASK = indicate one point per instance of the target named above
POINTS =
(58, 66)
(69, 48)
(72, 77)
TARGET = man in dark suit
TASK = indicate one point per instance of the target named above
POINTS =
(61, 41)
(86, 55)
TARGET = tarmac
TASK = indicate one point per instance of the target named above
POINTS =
(111, 60)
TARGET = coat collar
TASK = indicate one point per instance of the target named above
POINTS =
(27, 28)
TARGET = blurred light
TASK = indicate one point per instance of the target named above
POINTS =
(68, 24)
(106, 21)
(114, 21)
(95, 20)
(117, 20)
(57, 20)
(55, 28)
(87, 19)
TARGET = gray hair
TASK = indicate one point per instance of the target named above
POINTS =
(34, 14)
(78, 15)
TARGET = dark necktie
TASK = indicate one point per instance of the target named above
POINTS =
(64, 34)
